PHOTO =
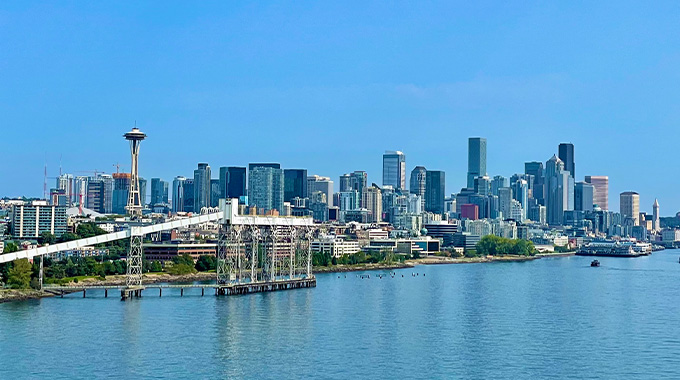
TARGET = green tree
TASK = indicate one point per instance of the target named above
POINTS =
(19, 276)
(184, 259)
(47, 238)
(206, 263)
(181, 269)
(68, 237)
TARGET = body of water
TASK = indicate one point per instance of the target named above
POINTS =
(548, 318)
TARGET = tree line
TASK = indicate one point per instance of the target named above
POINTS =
(499, 246)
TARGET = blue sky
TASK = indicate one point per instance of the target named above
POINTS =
(329, 87)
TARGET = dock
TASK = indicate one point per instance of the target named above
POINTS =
(219, 289)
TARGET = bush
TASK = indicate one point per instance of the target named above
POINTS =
(181, 269)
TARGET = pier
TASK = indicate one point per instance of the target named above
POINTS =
(219, 290)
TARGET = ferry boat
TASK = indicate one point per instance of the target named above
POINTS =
(615, 249)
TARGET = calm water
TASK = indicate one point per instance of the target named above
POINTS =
(549, 318)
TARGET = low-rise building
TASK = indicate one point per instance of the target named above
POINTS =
(167, 251)
(337, 247)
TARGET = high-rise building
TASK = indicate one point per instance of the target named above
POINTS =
(566, 154)
(600, 190)
(394, 170)
(497, 182)
(535, 169)
(159, 191)
(121, 192)
(630, 206)
(202, 188)
(354, 181)
(435, 182)
(265, 187)
(294, 184)
(559, 195)
(373, 202)
(348, 200)
(142, 191)
(656, 219)
(65, 182)
(215, 192)
(520, 193)
(100, 194)
(505, 202)
(483, 185)
(232, 182)
(583, 196)
(476, 160)
(189, 196)
(345, 183)
(323, 184)
(80, 191)
(178, 194)
(32, 220)
(417, 182)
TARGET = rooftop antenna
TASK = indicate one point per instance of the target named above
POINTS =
(60, 165)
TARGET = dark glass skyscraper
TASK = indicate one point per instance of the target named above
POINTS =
(232, 182)
(159, 191)
(202, 189)
(294, 184)
(418, 179)
(435, 182)
(535, 169)
(476, 160)
(566, 154)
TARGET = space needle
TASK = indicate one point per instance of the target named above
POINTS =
(134, 204)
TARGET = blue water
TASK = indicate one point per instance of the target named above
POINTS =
(548, 318)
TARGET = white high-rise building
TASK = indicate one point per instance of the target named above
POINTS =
(656, 221)
(630, 206)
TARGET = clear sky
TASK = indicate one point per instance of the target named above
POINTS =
(330, 87)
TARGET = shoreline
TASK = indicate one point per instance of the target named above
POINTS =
(9, 295)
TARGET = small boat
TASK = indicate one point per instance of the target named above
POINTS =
(595, 263)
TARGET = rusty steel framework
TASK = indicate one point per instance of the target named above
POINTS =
(263, 253)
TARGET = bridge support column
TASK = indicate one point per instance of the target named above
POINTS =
(133, 276)
(40, 274)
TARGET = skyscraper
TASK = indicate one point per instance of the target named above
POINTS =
(566, 154)
(202, 189)
(600, 190)
(656, 221)
(630, 206)
(417, 182)
(294, 184)
(476, 159)
(435, 182)
(354, 181)
(265, 187)
(232, 182)
(394, 170)
(583, 196)
(121, 188)
(65, 182)
(535, 169)
(559, 195)
(178, 194)
(215, 192)
(159, 191)
(373, 202)
(505, 202)
(189, 195)
(497, 182)
(323, 184)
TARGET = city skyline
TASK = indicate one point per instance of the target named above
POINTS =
(613, 194)
(602, 86)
